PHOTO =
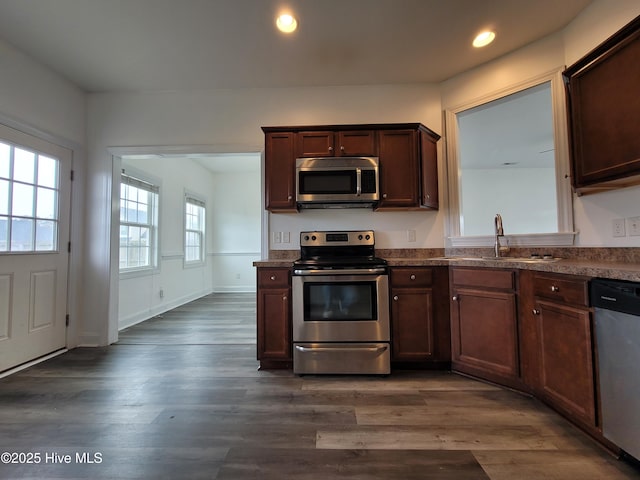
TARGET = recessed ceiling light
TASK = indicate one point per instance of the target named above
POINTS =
(483, 39)
(286, 23)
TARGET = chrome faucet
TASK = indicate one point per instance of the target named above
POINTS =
(499, 232)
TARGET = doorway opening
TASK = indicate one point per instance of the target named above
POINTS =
(197, 239)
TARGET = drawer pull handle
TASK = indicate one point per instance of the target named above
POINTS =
(412, 277)
(554, 288)
(536, 311)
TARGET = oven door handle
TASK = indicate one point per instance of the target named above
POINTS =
(345, 271)
(379, 349)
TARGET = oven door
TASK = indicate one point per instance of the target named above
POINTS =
(341, 306)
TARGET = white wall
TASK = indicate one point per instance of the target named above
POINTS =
(37, 101)
(236, 229)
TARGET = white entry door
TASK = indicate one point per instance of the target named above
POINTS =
(35, 193)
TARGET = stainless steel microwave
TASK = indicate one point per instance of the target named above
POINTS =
(337, 182)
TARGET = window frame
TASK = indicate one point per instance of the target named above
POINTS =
(152, 185)
(191, 198)
(565, 235)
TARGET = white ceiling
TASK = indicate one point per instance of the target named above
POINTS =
(132, 45)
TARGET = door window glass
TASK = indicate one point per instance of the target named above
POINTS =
(28, 201)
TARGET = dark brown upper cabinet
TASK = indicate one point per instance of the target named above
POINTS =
(407, 153)
(603, 103)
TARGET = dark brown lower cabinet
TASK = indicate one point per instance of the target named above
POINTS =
(567, 378)
(420, 316)
(484, 324)
(274, 318)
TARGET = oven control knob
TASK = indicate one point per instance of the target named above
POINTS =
(313, 237)
(359, 237)
(368, 237)
(306, 238)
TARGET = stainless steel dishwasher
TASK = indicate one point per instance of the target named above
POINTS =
(617, 324)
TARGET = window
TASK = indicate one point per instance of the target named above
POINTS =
(29, 192)
(138, 224)
(194, 223)
(508, 154)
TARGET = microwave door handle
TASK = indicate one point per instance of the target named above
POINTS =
(358, 182)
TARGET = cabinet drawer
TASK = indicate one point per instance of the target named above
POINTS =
(273, 277)
(484, 278)
(411, 277)
(562, 288)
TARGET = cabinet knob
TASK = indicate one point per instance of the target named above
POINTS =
(395, 298)
(342, 148)
(272, 277)
(428, 196)
(289, 197)
(554, 288)
(535, 311)
(331, 149)
(384, 195)
(454, 298)
(412, 277)
(284, 298)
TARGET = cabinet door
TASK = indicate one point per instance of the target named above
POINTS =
(428, 171)
(399, 169)
(567, 372)
(412, 321)
(315, 144)
(279, 161)
(274, 324)
(356, 143)
(484, 332)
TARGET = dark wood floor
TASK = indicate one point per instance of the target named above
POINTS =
(180, 397)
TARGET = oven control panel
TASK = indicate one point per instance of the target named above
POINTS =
(337, 238)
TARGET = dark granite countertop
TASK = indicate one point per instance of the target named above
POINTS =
(614, 263)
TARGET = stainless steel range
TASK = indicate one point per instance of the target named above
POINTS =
(340, 305)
